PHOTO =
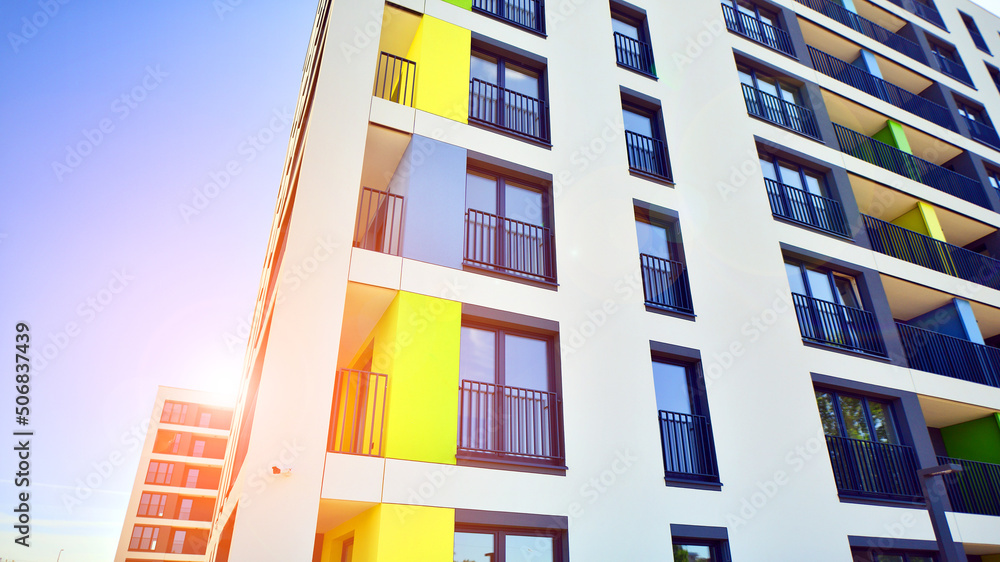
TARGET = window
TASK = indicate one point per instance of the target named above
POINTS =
(661, 257)
(647, 152)
(776, 100)
(159, 473)
(994, 74)
(177, 545)
(856, 417)
(199, 448)
(892, 556)
(151, 505)
(192, 478)
(994, 178)
(509, 406)
(175, 443)
(950, 63)
(980, 127)
(977, 37)
(477, 544)
(205, 420)
(528, 14)
(690, 550)
(829, 311)
(144, 538)
(509, 95)
(507, 226)
(632, 47)
(799, 194)
(185, 512)
(685, 429)
(757, 24)
(173, 413)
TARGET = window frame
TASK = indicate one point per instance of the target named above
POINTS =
(173, 541)
(500, 532)
(977, 37)
(152, 509)
(640, 22)
(719, 548)
(698, 400)
(139, 534)
(832, 275)
(170, 410)
(187, 477)
(168, 472)
(654, 112)
(891, 408)
(503, 58)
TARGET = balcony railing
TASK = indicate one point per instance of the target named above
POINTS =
(358, 413)
(983, 133)
(806, 208)
(928, 13)
(665, 284)
(508, 110)
(950, 356)
(379, 226)
(931, 253)
(838, 325)
(974, 490)
(395, 78)
(688, 446)
(509, 246)
(867, 28)
(509, 423)
(885, 91)
(907, 165)
(780, 112)
(529, 14)
(756, 30)
(874, 470)
(634, 54)
(647, 155)
(953, 68)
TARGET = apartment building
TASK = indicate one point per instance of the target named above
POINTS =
(611, 280)
(176, 486)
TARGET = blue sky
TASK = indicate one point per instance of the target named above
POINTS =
(132, 268)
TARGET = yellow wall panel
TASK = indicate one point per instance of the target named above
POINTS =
(441, 51)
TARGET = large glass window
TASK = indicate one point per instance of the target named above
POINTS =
(177, 545)
(507, 94)
(507, 545)
(159, 473)
(822, 284)
(152, 505)
(647, 152)
(776, 100)
(856, 417)
(192, 478)
(688, 445)
(800, 194)
(173, 413)
(144, 538)
(185, 511)
(632, 41)
(690, 550)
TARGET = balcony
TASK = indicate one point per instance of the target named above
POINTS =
(527, 14)
(508, 110)
(806, 208)
(647, 155)
(758, 31)
(358, 413)
(867, 469)
(983, 133)
(780, 112)
(507, 423)
(688, 447)
(508, 246)
(922, 250)
(838, 326)
(867, 28)
(879, 88)
(928, 13)
(380, 220)
(953, 68)
(905, 164)
(394, 79)
(665, 284)
(950, 356)
(976, 489)
(634, 54)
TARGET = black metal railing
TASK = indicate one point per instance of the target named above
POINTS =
(867, 28)
(837, 325)
(874, 470)
(508, 110)
(953, 68)
(634, 54)
(509, 246)
(358, 422)
(688, 446)
(647, 155)
(983, 133)
(922, 250)
(509, 422)
(885, 91)
(977, 38)
(924, 11)
(907, 165)
(949, 356)
(806, 208)
(529, 14)
(395, 78)
(974, 490)
(780, 112)
(665, 283)
(379, 225)
(759, 31)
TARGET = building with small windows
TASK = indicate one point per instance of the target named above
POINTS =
(170, 511)
(629, 280)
